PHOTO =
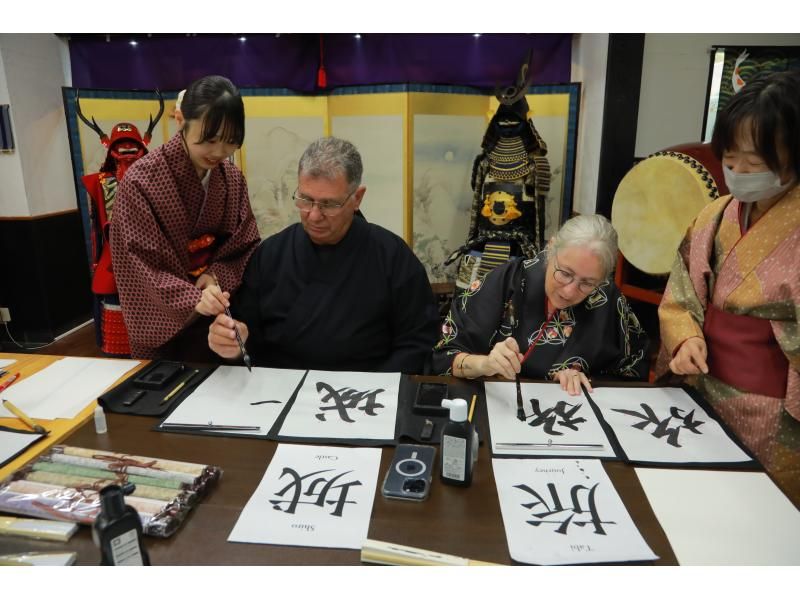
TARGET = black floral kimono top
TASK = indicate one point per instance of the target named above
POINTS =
(599, 336)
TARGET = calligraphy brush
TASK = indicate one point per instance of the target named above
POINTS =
(245, 356)
(17, 411)
(520, 410)
(175, 390)
(9, 382)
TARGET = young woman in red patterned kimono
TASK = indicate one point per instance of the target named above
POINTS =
(729, 316)
(183, 217)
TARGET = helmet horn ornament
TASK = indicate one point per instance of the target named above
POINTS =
(92, 125)
(153, 123)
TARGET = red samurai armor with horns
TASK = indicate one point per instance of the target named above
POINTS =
(125, 146)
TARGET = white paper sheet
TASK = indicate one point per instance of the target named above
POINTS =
(344, 405)
(5, 362)
(665, 425)
(565, 511)
(563, 425)
(12, 443)
(723, 517)
(235, 396)
(312, 496)
(66, 387)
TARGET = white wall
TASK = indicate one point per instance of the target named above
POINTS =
(674, 80)
(12, 186)
(589, 55)
(34, 68)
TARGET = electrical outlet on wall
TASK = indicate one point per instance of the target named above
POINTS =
(5, 314)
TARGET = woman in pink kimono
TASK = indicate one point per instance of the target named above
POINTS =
(729, 317)
(182, 221)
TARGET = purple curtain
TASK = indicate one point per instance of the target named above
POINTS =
(171, 62)
(446, 59)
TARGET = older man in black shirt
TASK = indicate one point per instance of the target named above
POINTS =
(333, 292)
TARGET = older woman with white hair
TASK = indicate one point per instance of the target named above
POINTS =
(556, 316)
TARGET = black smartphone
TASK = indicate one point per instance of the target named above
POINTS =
(409, 476)
(429, 399)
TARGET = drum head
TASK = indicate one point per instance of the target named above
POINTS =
(654, 205)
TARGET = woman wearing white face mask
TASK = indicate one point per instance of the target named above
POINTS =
(729, 317)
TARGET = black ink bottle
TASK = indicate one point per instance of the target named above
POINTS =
(457, 446)
(117, 531)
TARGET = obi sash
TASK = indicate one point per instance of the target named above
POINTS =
(200, 252)
(743, 352)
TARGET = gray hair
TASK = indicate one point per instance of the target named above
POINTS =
(328, 157)
(591, 231)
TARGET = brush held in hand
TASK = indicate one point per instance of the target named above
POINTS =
(245, 356)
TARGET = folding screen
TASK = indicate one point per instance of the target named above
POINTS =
(374, 121)
(277, 130)
(447, 130)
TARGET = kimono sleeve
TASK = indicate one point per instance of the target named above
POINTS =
(681, 312)
(414, 315)
(156, 296)
(231, 257)
(474, 316)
